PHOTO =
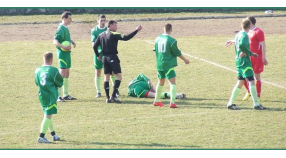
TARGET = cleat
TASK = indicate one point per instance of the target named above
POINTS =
(117, 94)
(246, 97)
(115, 100)
(173, 105)
(180, 96)
(108, 101)
(68, 97)
(98, 95)
(158, 104)
(60, 99)
(259, 107)
(232, 107)
(43, 140)
(56, 138)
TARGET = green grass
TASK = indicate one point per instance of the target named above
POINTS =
(201, 121)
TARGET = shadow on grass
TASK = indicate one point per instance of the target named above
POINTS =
(151, 145)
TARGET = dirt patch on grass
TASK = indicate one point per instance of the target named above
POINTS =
(151, 29)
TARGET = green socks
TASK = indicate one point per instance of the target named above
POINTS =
(113, 79)
(45, 125)
(172, 94)
(60, 90)
(253, 93)
(98, 84)
(234, 94)
(51, 127)
(165, 95)
(66, 84)
(158, 92)
(173, 91)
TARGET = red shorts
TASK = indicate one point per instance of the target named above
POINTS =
(257, 64)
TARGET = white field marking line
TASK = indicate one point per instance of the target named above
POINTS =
(224, 67)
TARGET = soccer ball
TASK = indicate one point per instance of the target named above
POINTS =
(65, 43)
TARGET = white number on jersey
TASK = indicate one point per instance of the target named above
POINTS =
(161, 46)
(43, 79)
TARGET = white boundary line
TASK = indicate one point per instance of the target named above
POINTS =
(224, 67)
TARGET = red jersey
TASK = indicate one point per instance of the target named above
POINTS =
(255, 36)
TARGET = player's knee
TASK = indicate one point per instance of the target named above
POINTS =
(250, 78)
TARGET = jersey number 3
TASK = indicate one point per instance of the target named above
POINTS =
(43, 79)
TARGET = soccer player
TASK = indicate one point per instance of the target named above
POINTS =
(142, 87)
(48, 79)
(95, 32)
(108, 41)
(166, 59)
(64, 57)
(244, 67)
(257, 45)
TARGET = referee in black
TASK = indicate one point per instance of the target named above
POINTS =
(108, 41)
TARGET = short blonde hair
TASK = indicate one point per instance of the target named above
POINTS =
(245, 23)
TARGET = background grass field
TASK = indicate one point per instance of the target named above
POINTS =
(201, 121)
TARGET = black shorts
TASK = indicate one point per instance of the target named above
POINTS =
(111, 63)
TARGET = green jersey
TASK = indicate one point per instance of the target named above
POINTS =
(166, 52)
(95, 32)
(62, 34)
(242, 45)
(48, 79)
(140, 81)
(140, 78)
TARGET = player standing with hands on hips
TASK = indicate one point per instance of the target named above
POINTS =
(108, 41)
(166, 59)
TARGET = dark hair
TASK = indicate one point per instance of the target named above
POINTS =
(246, 23)
(48, 56)
(111, 22)
(252, 19)
(101, 16)
(168, 27)
(66, 14)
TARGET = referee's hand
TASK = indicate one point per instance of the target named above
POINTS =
(138, 28)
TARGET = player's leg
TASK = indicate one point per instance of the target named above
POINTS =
(258, 68)
(60, 89)
(249, 75)
(173, 92)
(234, 94)
(159, 87)
(171, 76)
(107, 72)
(97, 79)
(66, 74)
(258, 84)
(235, 91)
(253, 91)
(116, 69)
(115, 88)
(113, 78)
(62, 65)
(247, 94)
(48, 111)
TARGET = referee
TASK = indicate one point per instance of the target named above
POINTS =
(108, 41)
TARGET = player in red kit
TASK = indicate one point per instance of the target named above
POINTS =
(257, 45)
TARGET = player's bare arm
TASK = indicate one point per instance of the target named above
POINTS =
(230, 42)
